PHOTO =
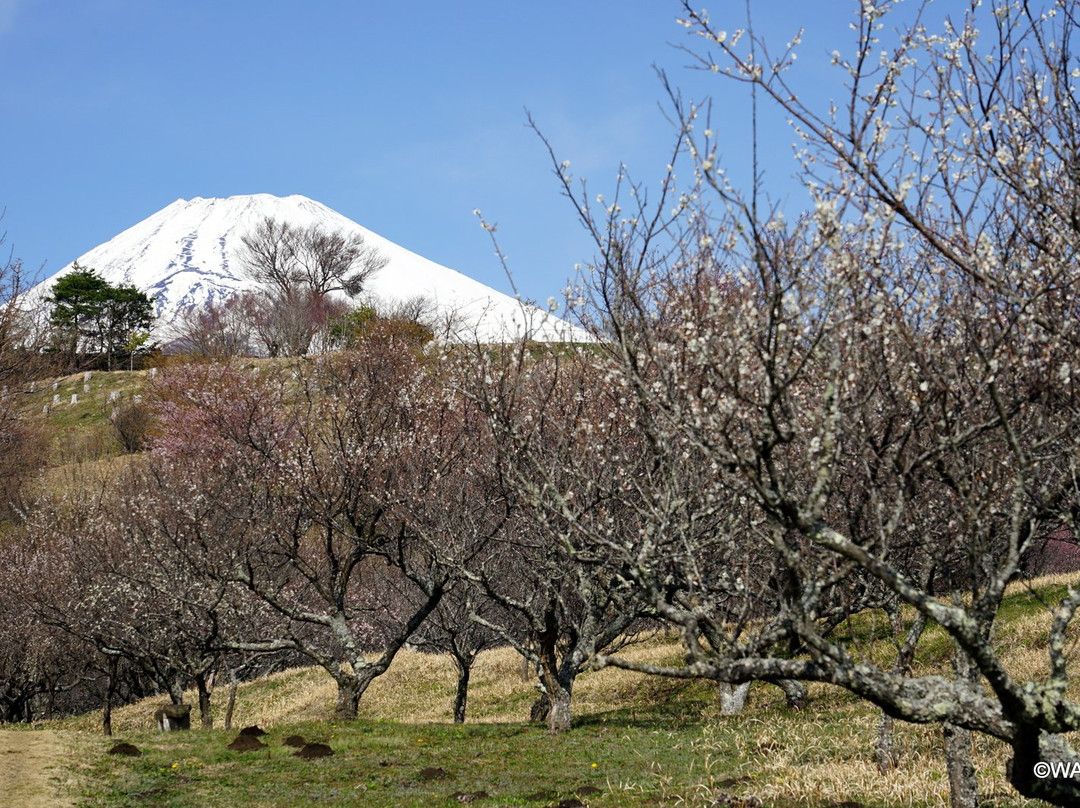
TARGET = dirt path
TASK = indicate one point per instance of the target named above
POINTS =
(31, 764)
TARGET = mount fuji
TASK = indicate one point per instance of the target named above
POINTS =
(187, 255)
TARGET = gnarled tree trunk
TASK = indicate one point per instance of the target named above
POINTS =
(203, 685)
(462, 696)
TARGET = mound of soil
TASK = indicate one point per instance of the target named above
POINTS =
(311, 751)
(731, 801)
(246, 743)
(295, 740)
(125, 749)
(467, 797)
(253, 731)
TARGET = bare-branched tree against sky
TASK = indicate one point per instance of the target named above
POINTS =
(878, 394)
(299, 271)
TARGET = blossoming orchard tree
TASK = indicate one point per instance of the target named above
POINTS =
(878, 396)
(571, 461)
(355, 483)
(41, 666)
(87, 581)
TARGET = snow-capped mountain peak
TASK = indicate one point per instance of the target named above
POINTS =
(187, 254)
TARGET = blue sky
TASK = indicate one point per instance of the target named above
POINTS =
(405, 117)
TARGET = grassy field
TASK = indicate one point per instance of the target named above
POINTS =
(665, 746)
(636, 741)
(604, 761)
(81, 431)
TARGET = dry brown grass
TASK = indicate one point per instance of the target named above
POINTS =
(831, 761)
(1042, 582)
(418, 689)
(1023, 643)
(1023, 638)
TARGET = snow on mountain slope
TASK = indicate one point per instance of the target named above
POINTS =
(187, 254)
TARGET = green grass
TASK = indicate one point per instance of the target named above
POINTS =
(818, 758)
(380, 763)
(81, 432)
(1022, 602)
